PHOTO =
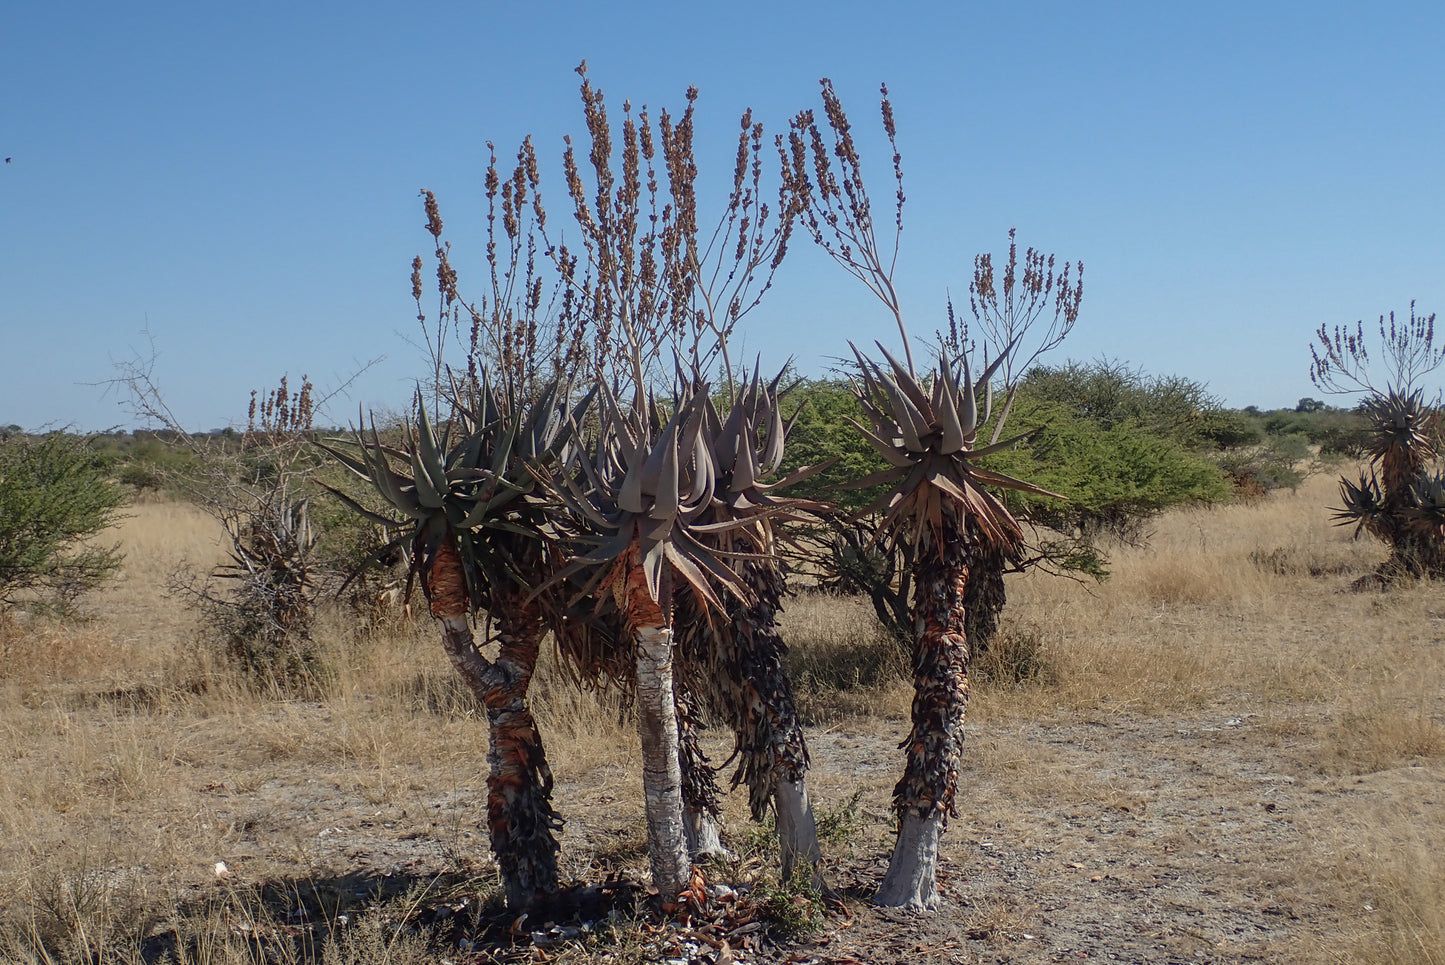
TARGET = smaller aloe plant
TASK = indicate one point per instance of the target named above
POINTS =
(1365, 507)
(1425, 516)
(1402, 440)
(1396, 501)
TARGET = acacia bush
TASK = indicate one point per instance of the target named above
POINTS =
(1109, 393)
(1335, 431)
(55, 497)
(1116, 474)
(1122, 447)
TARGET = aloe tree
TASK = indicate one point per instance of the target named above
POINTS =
(739, 664)
(636, 499)
(938, 503)
(1394, 501)
(1401, 441)
(937, 511)
(475, 524)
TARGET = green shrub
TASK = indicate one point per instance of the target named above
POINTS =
(1109, 394)
(54, 498)
(822, 431)
(1115, 476)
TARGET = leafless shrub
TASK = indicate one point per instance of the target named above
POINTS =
(262, 602)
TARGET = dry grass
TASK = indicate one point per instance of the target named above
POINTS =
(133, 764)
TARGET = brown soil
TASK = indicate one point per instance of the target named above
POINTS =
(1125, 838)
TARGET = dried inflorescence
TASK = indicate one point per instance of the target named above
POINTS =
(280, 412)
(644, 276)
(1006, 304)
(1340, 362)
(834, 205)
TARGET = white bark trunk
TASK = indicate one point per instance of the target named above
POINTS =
(661, 776)
(702, 835)
(912, 879)
(797, 831)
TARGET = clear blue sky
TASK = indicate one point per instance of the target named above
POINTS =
(241, 179)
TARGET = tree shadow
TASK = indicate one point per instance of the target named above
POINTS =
(295, 919)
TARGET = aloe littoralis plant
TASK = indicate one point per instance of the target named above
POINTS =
(653, 285)
(1394, 500)
(955, 529)
(636, 498)
(739, 665)
(474, 525)
(937, 511)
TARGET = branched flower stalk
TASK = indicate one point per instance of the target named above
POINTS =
(1011, 307)
(1340, 357)
(643, 277)
(827, 183)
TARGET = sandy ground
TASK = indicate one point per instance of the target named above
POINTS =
(1121, 838)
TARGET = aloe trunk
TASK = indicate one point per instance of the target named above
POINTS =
(520, 820)
(700, 795)
(770, 737)
(657, 729)
(739, 665)
(661, 775)
(924, 798)
(985, 599)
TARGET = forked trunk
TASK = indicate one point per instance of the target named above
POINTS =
(520, 821)
(924, 798)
